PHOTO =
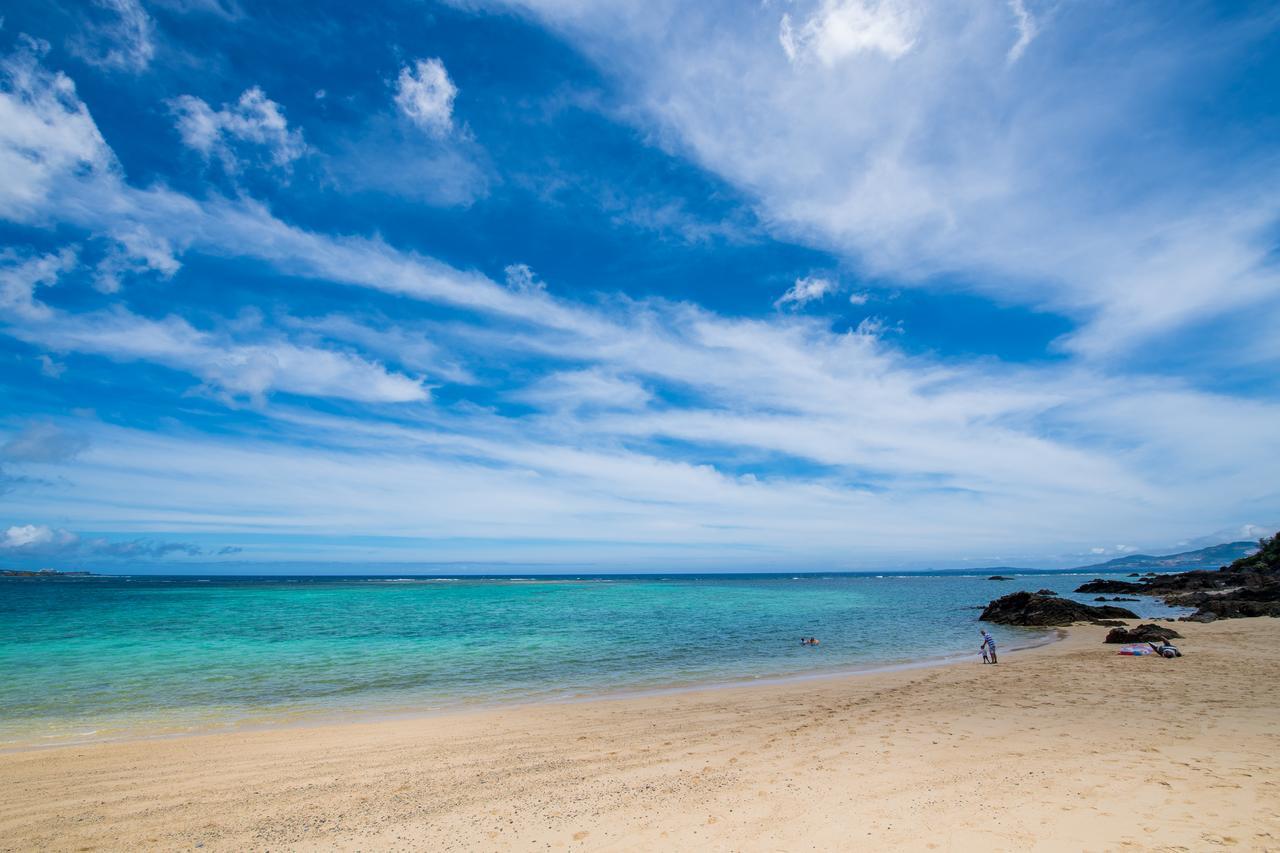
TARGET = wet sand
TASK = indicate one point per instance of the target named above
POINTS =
(1064, 747)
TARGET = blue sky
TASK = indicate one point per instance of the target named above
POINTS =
(823, 284)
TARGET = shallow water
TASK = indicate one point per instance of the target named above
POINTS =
(95, 658)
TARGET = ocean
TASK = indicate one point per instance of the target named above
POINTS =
(85, 659)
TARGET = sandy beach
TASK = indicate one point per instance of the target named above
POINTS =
(1064, 747)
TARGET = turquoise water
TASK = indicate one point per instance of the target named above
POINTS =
(94, 658)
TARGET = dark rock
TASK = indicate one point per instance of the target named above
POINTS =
(1234, 608)
(1028, 608)
(1100, 585)
(1142, 634)
(1200, 616)
(1113, 598)
(1045, 592)
(999, 578)
(1134, 575)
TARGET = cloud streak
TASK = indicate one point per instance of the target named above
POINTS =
(621, 428)
(251, 370)
(896, 135)
(118, 36)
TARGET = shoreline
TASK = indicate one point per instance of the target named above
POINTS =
(340, 717)
(1062, 746)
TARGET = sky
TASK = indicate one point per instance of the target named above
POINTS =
(636, 285)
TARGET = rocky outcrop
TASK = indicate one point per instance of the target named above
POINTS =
(1249, 586)
(1262, 600)
(999, 578)
(1029, 608)
(1113, 598)
(1100, 585)
(1045, 592)
(1142, 634)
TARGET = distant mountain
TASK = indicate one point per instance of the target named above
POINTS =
(1205, 558)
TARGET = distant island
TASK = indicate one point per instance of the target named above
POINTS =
(42, 573)
(1202, 558)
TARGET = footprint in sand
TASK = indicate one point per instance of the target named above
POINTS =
(1223, 840)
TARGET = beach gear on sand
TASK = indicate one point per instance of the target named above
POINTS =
(1136, 651)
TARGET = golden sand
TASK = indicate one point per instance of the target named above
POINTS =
(1066, 747)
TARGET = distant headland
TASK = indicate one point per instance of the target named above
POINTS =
(42, 573)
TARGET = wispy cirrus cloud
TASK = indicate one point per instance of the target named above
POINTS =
(44, 442)
(46, 133)
(897, 134)
(1027, 29)
(117, 35)
(607, 425)
(251, 369)
(810, 288)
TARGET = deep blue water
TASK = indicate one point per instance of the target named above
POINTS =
(108, 657)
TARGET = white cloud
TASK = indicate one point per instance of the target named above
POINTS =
(227, 10)
(120, 36)
(50, 368)
(412, 349)
(246, 369)
(46, 133)
(842, 29)
(252, 369)
(254, 121)
(80, 182)
(859, 298)
(521, 279)
(592, 476)
(424, 93)
(585, 389)
(39, 540)
(1027, 29)
(21, 537)
(1039, 458)
(942, 169)
(45, 443)
(134, 250)
(20, 276)
(806, 290)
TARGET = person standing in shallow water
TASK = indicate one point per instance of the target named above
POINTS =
(988, 646)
